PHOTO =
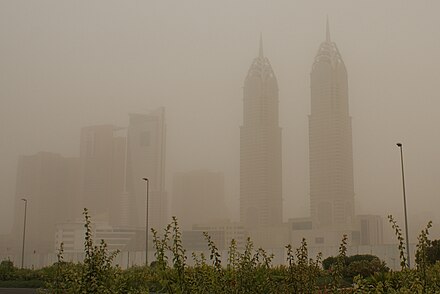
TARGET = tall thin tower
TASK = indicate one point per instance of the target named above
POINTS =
(260, 147)
(330, 141)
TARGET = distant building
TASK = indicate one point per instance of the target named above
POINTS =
(367, 230)
(72, 235)
(330, 142)
(370, 228)
(198, 197)
(221, 232)
(260, 148)
(113, 163)
(49, 182)
(102, 156)
(146, 159)
(107, 179)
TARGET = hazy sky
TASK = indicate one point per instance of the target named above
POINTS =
(68, 64)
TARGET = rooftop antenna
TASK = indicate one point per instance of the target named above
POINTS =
(327, 32)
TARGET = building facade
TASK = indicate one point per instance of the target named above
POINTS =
(49, 183)
(146, 159)
(330, 142)
(260, 148)
(102, 155)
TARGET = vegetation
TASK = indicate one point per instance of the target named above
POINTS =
(433, 251)
(246, 271)
(11, 276)
(364, 265)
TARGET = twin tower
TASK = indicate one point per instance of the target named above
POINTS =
(330, 145)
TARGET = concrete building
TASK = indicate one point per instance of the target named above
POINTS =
(260, 148)
(146, 159)
(113, 162)
(198, 197)
(49, 182)
(102, 156)
(330, 142)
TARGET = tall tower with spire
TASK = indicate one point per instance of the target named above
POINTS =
(260, 147)
(330, 141)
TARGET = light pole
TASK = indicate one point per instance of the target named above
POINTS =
(24, 232)
(404, 204)
(146, 221)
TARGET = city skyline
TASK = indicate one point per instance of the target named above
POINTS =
(97, 72)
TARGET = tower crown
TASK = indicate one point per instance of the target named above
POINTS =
(261, 66)
(328, 51)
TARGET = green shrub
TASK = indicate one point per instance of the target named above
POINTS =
(7, 270)
(365, 265)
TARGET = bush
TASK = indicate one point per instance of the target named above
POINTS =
(433, 251)
(364, 265)
(7, 270)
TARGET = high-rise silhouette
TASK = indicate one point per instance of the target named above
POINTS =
(146, 159)
(260, 147)
(330, 141)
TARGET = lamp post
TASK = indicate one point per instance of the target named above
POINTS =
(146, 221)
(24, 232)
(404, 204)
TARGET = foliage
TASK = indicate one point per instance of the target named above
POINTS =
(249, 270)
(365, 265)
(7, 270)
(95, 275)
(401, 240)
(433, 251)
(425, 278)
(303, 273)
(11, 276)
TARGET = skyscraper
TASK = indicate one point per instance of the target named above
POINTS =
(49, 182)
(330, 141)
(260, 147)
(101, 169)
(146, 159)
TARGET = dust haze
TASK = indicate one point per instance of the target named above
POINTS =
(69, 64)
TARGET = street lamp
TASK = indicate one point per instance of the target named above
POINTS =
(146, 222)
(24, 232)
(404, 204)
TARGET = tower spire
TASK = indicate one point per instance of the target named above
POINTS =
(261, 54)
(327, 32)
